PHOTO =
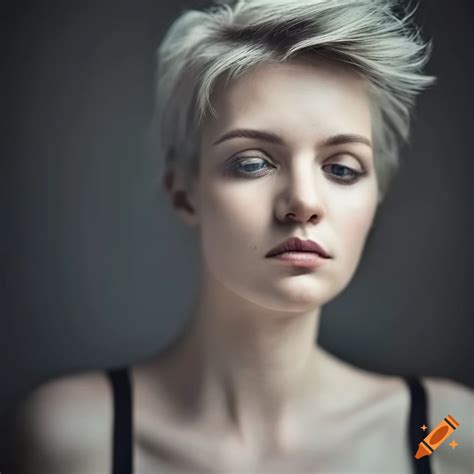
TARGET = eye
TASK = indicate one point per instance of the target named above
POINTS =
(255, 166)
(249, 166)
(344, 174)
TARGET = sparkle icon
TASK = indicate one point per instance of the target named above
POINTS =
(453, 444)
(424, 427)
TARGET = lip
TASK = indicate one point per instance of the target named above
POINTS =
(294, 245)
(300, 259)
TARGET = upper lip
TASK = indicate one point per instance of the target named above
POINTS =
(298, 245)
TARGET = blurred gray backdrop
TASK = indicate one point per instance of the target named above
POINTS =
(97, 272)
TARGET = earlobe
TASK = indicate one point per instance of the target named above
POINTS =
(183, 206)
(181, 199)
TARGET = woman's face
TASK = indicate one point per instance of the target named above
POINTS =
(247, 186)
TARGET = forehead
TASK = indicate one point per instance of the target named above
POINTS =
(304, 95)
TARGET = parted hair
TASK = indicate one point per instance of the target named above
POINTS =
(376, 38)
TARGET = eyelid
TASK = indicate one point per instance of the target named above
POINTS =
(251, 154)
(360, 161)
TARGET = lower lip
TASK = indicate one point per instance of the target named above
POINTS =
(301, 259)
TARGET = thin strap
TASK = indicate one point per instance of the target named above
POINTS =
(418, 417)
(122, 448)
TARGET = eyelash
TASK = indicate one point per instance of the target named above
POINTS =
(234, 171)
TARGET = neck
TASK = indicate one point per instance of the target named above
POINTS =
(247, 367)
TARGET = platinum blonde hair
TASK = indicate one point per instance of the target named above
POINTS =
(229, 37)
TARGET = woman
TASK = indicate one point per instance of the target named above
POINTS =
(280, 122)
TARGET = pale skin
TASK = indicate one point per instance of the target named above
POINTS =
(246, 389)
(256, 320)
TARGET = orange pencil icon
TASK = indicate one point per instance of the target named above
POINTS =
(436, 437)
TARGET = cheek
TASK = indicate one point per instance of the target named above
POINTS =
(352, 226)
(233, 221)
(356, 226)
(242, 208)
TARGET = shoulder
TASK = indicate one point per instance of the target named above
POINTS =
(63, 425)
(447, 397)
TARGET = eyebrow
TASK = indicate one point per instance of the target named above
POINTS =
(275, 139)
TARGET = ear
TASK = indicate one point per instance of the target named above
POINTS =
(182, 196)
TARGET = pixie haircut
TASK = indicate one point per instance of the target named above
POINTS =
(375, 38)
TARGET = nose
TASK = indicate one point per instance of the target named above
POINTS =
(302, 199)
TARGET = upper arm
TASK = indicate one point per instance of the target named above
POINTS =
(62, 426)
(446, 397)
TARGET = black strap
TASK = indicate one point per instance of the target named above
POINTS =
(122, 448)
(418, 417)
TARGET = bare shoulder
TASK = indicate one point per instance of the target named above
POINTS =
(63, 425)
(447, 397)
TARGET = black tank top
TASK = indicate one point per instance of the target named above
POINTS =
(122, 447)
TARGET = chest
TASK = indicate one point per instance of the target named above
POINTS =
(373, 455)
(372, 440)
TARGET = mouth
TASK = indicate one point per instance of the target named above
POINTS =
(297, 248)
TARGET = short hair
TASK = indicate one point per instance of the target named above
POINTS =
(229, 37)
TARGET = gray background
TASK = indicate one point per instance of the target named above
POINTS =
(97, 272)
